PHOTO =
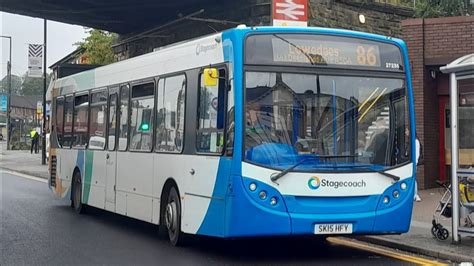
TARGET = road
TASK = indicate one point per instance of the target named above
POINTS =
(39, 229)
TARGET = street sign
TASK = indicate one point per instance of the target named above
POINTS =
(290, 13)
(3, 103)
(35, 60)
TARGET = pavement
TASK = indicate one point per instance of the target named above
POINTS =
(418, 240)
(22, 162)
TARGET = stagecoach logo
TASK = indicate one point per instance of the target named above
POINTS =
(203, 48)
(314, 183)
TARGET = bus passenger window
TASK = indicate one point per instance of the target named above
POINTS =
(59, 120)
(98, 120)
(81, 111)
(112, 121)
(141, 117)
(123, 118)
(68, 110)
(211, 116)
(170, 114)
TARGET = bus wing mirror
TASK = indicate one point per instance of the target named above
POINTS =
(211, 77)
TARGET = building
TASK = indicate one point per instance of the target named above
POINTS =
(433, 43)
(23, 115)
(381, 17)
(70, 64)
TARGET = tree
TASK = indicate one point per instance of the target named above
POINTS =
(16, 85)
(34, 86)
(442, 8)
(98, 47)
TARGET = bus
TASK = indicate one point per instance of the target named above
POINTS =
(255, 131)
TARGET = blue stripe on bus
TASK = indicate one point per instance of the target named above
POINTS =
(213, 223)
(80, 161)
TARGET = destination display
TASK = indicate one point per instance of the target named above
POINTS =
(289, 49)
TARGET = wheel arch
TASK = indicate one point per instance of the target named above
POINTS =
(74, 172)
(169, 183)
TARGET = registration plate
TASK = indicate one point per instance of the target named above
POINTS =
(329, 229)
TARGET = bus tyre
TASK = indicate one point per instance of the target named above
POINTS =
(77, 194)
(172, 218)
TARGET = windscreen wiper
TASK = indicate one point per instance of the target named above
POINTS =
(337, 156)
(368, 168)
(394, 177)
(275, 176)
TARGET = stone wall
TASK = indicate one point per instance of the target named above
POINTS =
(380, 18)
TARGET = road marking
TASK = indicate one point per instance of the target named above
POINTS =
(382, 251)
(2, 171)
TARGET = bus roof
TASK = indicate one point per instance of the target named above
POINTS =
(150, 64)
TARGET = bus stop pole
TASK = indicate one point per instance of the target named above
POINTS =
(454, 157)
(45, 76)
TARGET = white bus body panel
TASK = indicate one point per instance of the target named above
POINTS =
(140, 177)
(294, 183)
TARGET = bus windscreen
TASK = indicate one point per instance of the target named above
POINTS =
(321, 50)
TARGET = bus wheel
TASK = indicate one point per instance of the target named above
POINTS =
(172, 218)
(77, 194)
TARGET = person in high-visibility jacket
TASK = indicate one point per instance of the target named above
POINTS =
(34, 140)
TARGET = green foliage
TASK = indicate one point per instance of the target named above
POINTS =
(24, 85)
(16, 85)
(98, 47)
(33, 86)
(442, 8)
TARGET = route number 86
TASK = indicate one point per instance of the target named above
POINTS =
(366, 56)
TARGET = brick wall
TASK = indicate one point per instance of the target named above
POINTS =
(433, 43)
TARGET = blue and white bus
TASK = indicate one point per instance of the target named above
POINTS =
(255, 131)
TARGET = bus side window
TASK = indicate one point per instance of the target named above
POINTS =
(123, 117)
(98, 114)
(81, 113)
(112, 121)
(211, 116)
(170, 114)
(68, 112)
(141, 117)
(60, 120)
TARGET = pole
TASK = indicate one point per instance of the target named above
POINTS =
(43, 147)
(454, 156)
(9, 74)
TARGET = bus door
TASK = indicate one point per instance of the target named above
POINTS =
(111, 155)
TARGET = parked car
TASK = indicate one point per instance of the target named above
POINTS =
(1, 136)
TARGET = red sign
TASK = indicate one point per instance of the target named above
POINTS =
(290, 13)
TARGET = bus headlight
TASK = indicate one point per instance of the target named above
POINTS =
(396, 194)
(252, 186)
(262, 195)
(273, 201)
(403, 186)
(386, 199)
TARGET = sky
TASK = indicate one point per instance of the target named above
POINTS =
(25, 30)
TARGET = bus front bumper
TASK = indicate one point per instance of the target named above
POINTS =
(247, 216)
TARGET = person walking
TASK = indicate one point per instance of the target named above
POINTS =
(34, 140)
